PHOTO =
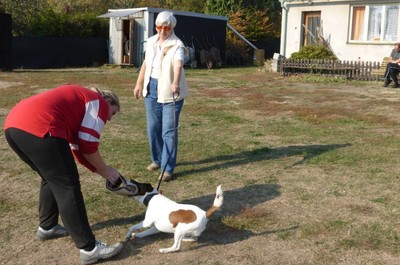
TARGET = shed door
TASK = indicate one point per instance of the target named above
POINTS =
(128, 38)
(311, 27)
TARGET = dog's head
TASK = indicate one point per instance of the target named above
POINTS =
(129, 188)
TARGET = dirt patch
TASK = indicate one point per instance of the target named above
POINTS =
(4, 84)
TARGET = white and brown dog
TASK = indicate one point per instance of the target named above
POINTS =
(185, 221)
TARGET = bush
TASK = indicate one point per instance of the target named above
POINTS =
(52, 24)
(314, 52)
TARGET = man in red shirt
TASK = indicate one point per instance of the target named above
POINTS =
(46, 131)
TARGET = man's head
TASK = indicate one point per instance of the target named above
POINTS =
(112, 100)
(397, 46)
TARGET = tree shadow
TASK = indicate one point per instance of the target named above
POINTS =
(256, 155)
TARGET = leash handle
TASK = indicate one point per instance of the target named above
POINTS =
(175, 96)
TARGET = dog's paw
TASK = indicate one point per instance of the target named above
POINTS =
(168, 250)
(164, 250)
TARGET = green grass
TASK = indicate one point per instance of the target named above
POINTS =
(309, 166)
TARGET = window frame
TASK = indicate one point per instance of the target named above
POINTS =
(364, 32)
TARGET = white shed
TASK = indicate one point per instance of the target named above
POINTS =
(130, 28)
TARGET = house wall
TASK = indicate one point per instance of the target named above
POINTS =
(335, 23)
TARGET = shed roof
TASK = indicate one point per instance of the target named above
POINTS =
(130, 11)
(121, 13)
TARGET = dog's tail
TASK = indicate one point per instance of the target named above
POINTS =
(218, 201)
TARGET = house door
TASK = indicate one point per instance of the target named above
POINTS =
(311, 28)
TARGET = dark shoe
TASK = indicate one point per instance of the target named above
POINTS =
(100, 251)
(396, 85)
(386, 84)
(166, 176)
(55, 232)
(153, 166)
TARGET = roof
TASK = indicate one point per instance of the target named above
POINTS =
(122, 13)
(331, 2)
(130, 11)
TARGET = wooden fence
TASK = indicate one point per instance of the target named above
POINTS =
(348, 69)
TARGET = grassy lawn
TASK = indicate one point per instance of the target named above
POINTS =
(309, 166)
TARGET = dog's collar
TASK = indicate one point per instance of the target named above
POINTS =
(148, 198)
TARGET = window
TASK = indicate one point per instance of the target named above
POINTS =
(375, 23)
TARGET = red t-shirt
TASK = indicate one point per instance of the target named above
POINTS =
(71, 112)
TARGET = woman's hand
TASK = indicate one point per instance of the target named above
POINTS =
(137, 91)
(109, 173)
(175, 88)
(102, 169)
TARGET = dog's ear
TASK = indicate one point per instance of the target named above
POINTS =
(143, 188)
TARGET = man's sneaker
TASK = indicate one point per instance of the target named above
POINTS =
(100, 251)
(387, 83)
(55, 232)
(153, 166)
(396, 85)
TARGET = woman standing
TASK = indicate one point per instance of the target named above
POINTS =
(46, 131)
(162, 83)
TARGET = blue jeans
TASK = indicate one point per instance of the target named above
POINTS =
(162, 127)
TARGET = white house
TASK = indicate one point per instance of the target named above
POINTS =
(355, 30)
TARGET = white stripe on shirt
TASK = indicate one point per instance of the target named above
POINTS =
(88, 137)
(91, 120)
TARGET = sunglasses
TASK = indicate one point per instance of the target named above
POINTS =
(166, 28)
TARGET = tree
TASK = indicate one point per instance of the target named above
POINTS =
(2, 8)
(253, 24)
(23, 12)
(222, 7)
(254, 19)
(185, 5)
(259, 15)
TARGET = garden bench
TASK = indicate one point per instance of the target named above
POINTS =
(380, 72)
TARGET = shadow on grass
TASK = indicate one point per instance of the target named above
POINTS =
(260, 154)
(234, 200)
(217, 232)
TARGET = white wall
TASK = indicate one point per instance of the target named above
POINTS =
(335, 20)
